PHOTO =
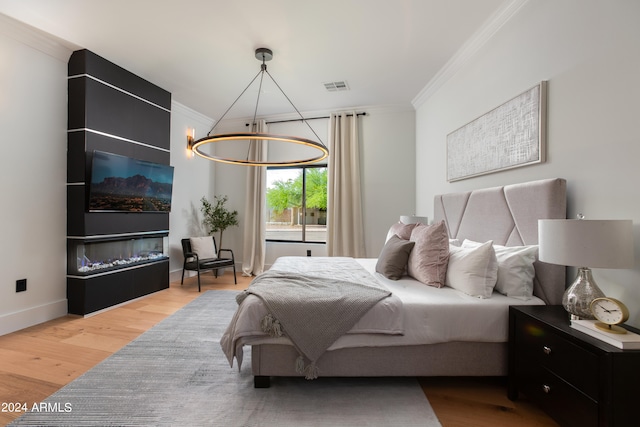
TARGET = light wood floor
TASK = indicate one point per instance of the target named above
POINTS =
(37, 361)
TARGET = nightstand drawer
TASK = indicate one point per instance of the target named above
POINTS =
(560, 400)
(576, 379)
(575, 365)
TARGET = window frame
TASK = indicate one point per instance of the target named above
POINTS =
(304, 201)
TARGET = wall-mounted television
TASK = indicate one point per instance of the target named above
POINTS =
(123, 184)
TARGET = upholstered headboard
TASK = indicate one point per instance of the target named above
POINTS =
(509, 216)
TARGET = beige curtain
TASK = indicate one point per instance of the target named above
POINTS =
(345, 230)
(255, 209)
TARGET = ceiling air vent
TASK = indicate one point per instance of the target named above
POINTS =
(336, 86)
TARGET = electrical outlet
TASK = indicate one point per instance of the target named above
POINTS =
(21, 285)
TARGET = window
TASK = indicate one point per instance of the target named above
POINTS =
(297, 204)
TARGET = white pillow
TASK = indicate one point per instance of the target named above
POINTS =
(473, 271)
(203, 246)
(515, 269)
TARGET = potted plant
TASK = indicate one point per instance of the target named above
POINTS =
(217, 217)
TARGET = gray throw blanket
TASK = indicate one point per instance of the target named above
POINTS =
(312, 311)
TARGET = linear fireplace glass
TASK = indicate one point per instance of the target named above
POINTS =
(103, 256)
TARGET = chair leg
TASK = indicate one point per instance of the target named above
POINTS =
(235, 280)
(199, 280)
(182, 280)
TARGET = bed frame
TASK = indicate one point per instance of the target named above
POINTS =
(507, 215)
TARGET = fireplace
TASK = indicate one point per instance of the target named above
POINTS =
(89, 256)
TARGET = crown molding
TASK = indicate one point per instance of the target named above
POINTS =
(190, 113)
(36, 39)
(469, 49)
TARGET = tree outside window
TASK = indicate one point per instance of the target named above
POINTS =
(297, 204)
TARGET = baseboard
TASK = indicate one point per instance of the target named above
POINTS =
(174, 276)
(32, 316)
(111, 307)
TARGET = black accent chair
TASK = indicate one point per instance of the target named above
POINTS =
(193, 263)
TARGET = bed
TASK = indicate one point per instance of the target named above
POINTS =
(456, 341)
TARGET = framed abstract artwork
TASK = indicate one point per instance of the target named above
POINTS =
(509, 136)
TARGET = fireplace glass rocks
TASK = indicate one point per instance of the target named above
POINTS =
(93, 257)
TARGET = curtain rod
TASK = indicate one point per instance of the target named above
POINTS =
(310, 118)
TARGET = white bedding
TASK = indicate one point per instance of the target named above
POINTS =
(433, 315)
(428, 315)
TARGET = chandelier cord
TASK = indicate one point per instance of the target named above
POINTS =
(234, 102)
(295, 108)
(263, 68)
(264, 54)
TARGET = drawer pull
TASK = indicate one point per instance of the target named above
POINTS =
(546, 350)
(546, 388)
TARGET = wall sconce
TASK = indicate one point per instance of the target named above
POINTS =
(191, 136)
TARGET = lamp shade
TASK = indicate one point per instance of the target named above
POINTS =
(586, 243)
(413, 219)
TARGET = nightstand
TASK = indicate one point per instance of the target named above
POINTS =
(577, 379)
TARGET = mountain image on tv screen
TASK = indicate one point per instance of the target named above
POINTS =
(120, 183)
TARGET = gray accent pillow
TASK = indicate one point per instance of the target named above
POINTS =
(392, 262)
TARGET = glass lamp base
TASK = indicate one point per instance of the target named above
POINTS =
(577, 298)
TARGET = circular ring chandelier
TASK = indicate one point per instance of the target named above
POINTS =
(262, 54)
(259, 136)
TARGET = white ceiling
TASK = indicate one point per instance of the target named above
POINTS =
(202, 51)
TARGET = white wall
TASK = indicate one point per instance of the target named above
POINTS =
(388, 171)
(33, 220)
(192, 180)
(589, 52)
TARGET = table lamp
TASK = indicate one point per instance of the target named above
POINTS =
(585, 244)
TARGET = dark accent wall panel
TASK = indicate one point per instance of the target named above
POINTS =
(82, 144)
(76, 171)
(76, 206)
(118, 113)
(111, 109)
(90, 295)
(97, 223)
(76, 102)
(98, 107)
(87, 62)
(97, 293)
(147, 281)
(94, 141)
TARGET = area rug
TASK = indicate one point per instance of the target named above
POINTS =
(176, 374)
